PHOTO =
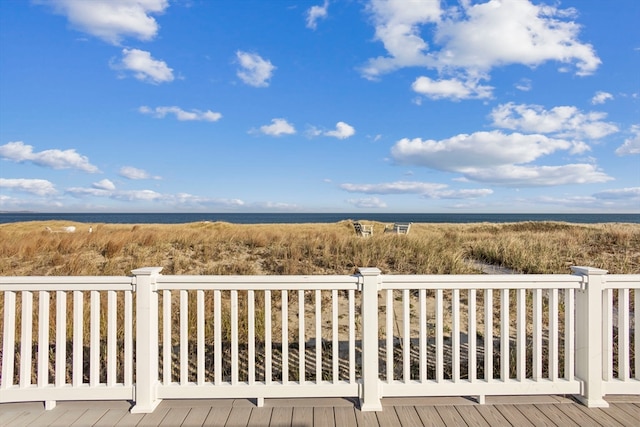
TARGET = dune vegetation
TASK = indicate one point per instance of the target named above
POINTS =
(29, 248)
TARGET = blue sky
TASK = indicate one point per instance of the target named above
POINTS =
(320, 106)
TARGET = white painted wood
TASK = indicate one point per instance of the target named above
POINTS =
(184, 337)
(521, 334)
(94, 340)
(589, 319)
(8, 340)
(318, 307)
(26, 338)
(472, 340)
(553, 335)
(112, 344)
(504, 334)
(146, 398)
(61, 338)
(406, 337)
(301, 337)
(369, 392)
(455, 335)
(166, 337)
(128, 338)
(78, 323)
(390, 356)
(234, 337)
(488, 334)
(352, 337)
(607, 335)
(285, 336)
(251, 335)
(569, 334)
(623, 335)
(200, 372)
(43, 338)
(217, 337)
(268, 361)
(537, 334)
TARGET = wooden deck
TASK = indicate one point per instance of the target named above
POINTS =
(503, 411)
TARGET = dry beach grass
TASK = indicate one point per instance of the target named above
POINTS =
(222, 248)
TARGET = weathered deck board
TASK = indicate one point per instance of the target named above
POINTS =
(514, 415)
(196, 417)
(430, 416)
(345, 417)
(281, 417)
(472, 417)
(543, 411)
(260, 417)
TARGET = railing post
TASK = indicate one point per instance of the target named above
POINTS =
(589, 318)
(369, 389)
(146, 339)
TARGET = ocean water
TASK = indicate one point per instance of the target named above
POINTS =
(280, 218)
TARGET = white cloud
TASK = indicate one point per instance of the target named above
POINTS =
(278, 127)
(112, 20)
(130, 172)
(495, 157)
(502, 32)
(450, 88)
(104, 184)
(398, 187)
(425, 189)
(626, 194)
(19, 152)
(632, 144)
(524, 85)
(563, 121)
(39, 187)
(461, 194)
(138, 195)
(144, 67)
(180, 200)
(343, 131)
(367, 203)
(476, 37)
(186, 199)
(180, 114)
(477, 150)
(317, 12)
(397, 25)
(255, 70)
(538, 176)
(601, 97)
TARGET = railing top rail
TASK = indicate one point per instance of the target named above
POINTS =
(254, 282)
(617, 281)
(65, 283)
(482, 281)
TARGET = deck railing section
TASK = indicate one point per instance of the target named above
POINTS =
(462, 335)
(620, 302)
(257, 336)
(83, 343)
(366, 335)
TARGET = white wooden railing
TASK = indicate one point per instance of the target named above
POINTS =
(150, 337)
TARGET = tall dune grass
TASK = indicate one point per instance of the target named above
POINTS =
(223, 248)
